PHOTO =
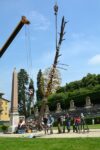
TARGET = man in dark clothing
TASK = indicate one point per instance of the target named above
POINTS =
(68, 122)
(59, 121)
(45, 120)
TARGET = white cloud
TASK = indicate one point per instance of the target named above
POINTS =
(38, 21)
(95, 60)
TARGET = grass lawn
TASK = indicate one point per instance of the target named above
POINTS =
(95, 126)
(50, 144)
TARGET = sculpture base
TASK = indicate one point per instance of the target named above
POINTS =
(58, 111)
(87, 107)
(14, 120)
(72, 109)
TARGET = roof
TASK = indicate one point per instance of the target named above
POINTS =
(4, 99)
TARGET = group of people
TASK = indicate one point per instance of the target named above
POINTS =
(47, 123)
(63, 122)
(78, 123)
(26, 126)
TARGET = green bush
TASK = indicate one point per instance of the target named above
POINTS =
(89, 120)
(0, 128)
(4, 128)
(97, 120)
(55, 124)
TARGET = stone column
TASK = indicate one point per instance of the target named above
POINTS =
(14, 115)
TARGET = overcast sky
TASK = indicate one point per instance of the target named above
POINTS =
(80, 50)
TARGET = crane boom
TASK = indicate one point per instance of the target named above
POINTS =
(13, 35)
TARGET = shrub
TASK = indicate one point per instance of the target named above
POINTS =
(4, 128)
(96, 120)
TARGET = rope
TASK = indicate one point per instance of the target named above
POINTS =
(26, 48)
(28, 51)
(29, 64)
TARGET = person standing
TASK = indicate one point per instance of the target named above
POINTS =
(45, 120)
(59, 122)
(64, 123)
(77, 124)
(82, 122)
(50, 123)
(68, 122)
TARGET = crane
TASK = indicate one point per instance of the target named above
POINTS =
(13, 35)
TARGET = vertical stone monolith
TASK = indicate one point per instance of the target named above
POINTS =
(14, 115)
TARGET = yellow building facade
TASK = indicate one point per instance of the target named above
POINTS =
(4, 114)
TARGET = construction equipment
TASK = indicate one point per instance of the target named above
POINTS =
(13, 35)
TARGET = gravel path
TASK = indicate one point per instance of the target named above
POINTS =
(91, 133)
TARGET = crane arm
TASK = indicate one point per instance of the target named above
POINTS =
(13, 35)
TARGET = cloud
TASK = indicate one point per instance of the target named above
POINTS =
(95, 60)
(39, 21)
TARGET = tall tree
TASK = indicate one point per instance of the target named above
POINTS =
(89, 80)
(56, 80)
(40, 86)
(22, 92)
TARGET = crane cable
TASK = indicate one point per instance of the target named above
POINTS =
(28, 52)
(29, 60)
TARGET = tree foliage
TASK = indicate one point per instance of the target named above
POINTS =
(78, 91)
(24, 99)
(40, 86)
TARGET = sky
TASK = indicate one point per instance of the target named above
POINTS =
(80, 50)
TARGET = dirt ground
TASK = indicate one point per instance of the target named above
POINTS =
(91, 133)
